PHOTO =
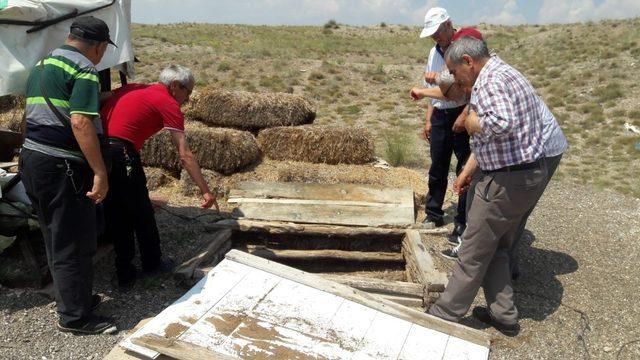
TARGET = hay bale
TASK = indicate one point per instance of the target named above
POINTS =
(222, 150)
(250, 111)
(158, 177)
(318, 144)
(11, 112)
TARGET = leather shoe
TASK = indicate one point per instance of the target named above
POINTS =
(482, 314)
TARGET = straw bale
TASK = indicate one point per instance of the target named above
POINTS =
(158, 177)
(290, 171)
(11, 112)
(318, 144)
(250, 111)
(222, 150)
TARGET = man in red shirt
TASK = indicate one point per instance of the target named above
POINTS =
(131, 115)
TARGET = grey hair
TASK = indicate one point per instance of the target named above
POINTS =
(177, 73)
(467, 45)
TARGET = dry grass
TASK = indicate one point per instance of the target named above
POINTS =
(318, 144)
(252, 111)
(222, 150)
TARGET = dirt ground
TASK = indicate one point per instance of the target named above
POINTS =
(577, 296)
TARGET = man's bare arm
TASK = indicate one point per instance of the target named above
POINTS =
(190, 164)
(85, 134)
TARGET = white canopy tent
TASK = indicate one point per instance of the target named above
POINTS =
(26, 35)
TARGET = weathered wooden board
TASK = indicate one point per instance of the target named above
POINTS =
(420, 265)
(328, 214)
(273, 311)
(280, 227)
(340, 204)
(332, 192)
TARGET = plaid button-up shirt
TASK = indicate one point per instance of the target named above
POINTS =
(511, 117)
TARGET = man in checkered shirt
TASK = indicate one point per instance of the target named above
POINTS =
(506, 122)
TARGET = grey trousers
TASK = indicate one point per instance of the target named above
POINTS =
(500, 202)
(552, 163)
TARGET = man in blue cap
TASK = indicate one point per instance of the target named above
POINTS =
(63, 170)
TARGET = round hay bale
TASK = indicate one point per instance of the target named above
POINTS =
(318, 144)
(11, 112)
(222, 150)
(250, 111)
(158, 177)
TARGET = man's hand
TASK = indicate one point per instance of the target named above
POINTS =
(459, 124)
(462, 183)
(426, 132)
(208, 200)
(416, 94)
(472, 123)
(99, 190)
(430, 77)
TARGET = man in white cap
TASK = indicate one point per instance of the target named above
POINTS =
(444, 126)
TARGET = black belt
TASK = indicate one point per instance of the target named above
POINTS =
(450, 111)
(518, 167)
(117, 141)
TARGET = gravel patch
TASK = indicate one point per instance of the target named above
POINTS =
(577, 296)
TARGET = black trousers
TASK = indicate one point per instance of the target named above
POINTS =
(57, 189)
(128, 212)
(444, 143)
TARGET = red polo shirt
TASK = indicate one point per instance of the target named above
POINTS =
(136, 112)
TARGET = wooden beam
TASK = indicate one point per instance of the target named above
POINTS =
(212, 250)
(280, 227)
(361, 297)
(178, 349)
(325, 255)
(420, 264)
(347, 192)
(410, 302)
(373, 285)
(328, 214)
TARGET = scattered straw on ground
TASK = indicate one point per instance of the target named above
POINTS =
(222, 150)
(251, 111)
(318, 144)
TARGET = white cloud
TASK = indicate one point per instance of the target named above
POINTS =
(567, 11)
(504, 12)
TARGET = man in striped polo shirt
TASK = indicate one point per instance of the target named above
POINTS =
(444, 126)
(63, 170)
(507, 123)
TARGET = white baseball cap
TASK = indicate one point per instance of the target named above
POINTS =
(432, 20)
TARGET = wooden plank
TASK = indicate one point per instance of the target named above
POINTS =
(326, 255)
(419, 261)
(385, 306)
(334, 214)
(318, 202)
(280, 307)
(351, 322)
(373, 285)
(178, 349)
(210, 252)
(423, 343)
(196, 302)
(458, 349)
(384, 339)
(278, 227)
(408, 301)
(213, 328)
(345, 192)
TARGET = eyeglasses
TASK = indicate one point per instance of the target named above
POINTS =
(184, 87)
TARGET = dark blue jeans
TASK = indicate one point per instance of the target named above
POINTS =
(444, 143)
(128, 212)
(57, 189)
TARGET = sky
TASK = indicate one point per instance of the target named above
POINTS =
(371, 12)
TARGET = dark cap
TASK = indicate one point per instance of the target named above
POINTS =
(91, 28)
